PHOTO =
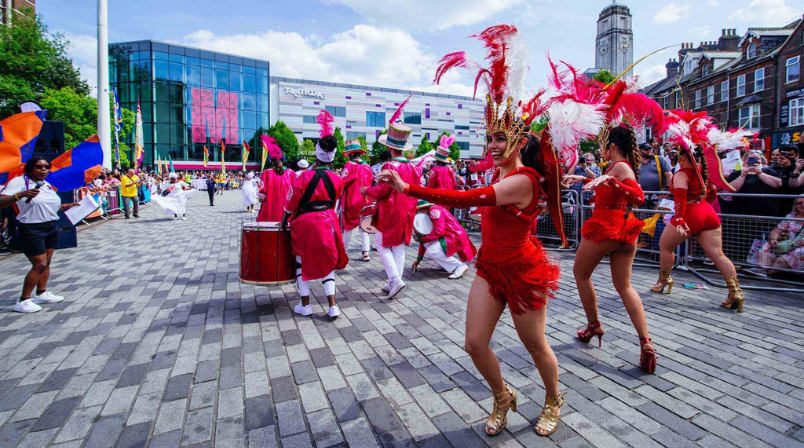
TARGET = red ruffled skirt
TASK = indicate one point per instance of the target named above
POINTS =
(611, 224)
(526, 281)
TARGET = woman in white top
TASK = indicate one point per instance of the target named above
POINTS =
(249, 193)
(37, 213)
(178, 194)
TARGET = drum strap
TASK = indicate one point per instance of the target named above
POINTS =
(306, 205)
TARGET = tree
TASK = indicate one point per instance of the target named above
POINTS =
(538, 125)
(340, 158)
(33, 60)
(308, 148)
(424, 147)
(376, 149)
(285, 139)
(603, 76)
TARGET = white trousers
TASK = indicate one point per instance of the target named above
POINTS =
(393, 258)
(436, 253)
(366, 241)
(304, 285)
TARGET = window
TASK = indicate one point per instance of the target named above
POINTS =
(710, 95)
(352, 135)
(336, 111)
(759, 80)
(413, 118)
(740, 86)
(697, 99)
(749, 117)
(724, 91)
(796, 112)
(375, 119)
(309, 119)
(793, 66)
(706, 70)
(751, 51)
(461, 127)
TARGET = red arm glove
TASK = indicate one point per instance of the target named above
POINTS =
(680, 196)
(711, 194)
(632, 191)
(479, 197)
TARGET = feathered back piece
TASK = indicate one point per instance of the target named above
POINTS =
(327, 123)
(274, 151)
(507, 109)
(446, 141)
(398, 112)
(730, 140)
(690, 129)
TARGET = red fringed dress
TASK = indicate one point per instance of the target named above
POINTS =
(511, 260)
(609, 220)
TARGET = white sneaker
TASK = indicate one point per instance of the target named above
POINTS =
(27, 306)
(334, 312)
(395, 288)
(303, 310)
(184, 218)
(47, 297)
(459, 272)
(386, 288)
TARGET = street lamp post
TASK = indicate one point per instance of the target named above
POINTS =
(104, 119)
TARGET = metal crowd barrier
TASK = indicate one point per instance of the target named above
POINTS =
(546, 229)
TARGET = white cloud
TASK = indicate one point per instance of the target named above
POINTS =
(767, 12)
(703, 31)
(671, 13)
(712, 3)
(427, 14)
(84, 52)
(363, 55)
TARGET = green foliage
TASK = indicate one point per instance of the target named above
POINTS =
(424, 147)
(454, 149)
(376, 149)
(588, 146)
(538, 125)
(78, 112)
(308, 149)
(340, 159)
(285, 138)
(603, 76)
(32, 60)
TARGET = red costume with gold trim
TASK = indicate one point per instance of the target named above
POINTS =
(611, 219)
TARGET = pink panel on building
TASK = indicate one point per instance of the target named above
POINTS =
(215, 120)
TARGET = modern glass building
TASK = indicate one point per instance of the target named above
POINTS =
(191, 98)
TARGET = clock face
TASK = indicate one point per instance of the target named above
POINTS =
(625, 45)
(603, 48)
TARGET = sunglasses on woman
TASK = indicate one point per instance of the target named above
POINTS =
(42, 167)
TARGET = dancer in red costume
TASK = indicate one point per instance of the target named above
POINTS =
(356, 174)
(697, 139)
(512, 267)
(315, 233)
(276, 182)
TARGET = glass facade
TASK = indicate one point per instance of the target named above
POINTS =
(191, 98)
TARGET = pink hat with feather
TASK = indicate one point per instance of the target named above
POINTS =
(398, 136)
(442, 152)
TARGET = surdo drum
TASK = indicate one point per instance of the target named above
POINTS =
(266, 257)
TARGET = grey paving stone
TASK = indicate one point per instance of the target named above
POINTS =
(258, 412)
(135, 436)
(56, 414)
(359, 433)
(263, 437)
(198, 427)
(229, 433)
(105, 432)
(178, 387)
(291, 418)
(344, 404)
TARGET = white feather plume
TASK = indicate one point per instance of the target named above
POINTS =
(570, 123)
(728, 141)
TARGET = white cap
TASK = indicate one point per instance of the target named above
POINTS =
(303, 164)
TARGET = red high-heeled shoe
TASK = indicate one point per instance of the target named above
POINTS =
(647, 358)
(592, 329)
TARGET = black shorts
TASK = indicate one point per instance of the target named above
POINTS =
(37, 239)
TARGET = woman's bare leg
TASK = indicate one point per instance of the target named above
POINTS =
(530, 328)
(711, 242)
(482, 314)
(622, 261)
(671, 238)
(587, 259)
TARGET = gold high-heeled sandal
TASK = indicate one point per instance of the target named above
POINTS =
(498, 419)
(736, 297)
(548, 420)
(665, 280)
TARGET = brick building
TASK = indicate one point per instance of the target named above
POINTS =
(740, 80)
(7, 6)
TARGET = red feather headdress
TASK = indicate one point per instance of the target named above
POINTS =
(327, 123)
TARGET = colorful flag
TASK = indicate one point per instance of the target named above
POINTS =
(139, 147)
(223, 158)
(158, 165)
(170, 164)
(264, 156)
(78, 166)
(206, 156)
(118, 122)
(18, 134)
(246, 150)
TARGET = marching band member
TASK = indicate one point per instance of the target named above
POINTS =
(512, 267)
(441, 175)
(315, 233)
(447, 240)
(693, 189)
(394, 212)
(356, 174)
(276, 183)
(175, 203)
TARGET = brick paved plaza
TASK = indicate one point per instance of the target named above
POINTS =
(159, 344)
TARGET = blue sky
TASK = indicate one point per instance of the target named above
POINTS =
(398, 44)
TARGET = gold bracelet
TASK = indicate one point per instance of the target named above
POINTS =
(15, 197)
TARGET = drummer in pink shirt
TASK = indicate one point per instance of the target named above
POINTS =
(394, 212)
(276, 183)
(356, 174)
(441, 175)
(315, 233)
(446, 240)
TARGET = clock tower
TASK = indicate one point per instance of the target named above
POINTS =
(614, 49)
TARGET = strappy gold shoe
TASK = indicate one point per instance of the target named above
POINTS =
(736, 297)
(665, 281)
(548, 421)
(498, 419)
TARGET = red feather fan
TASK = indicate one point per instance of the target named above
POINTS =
(398, 112)
(327, 123)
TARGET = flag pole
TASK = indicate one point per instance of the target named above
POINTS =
(104, 125)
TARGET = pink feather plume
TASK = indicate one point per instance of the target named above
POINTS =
(327, 123)
(446, 141)
(398, 112)
(274, 151)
